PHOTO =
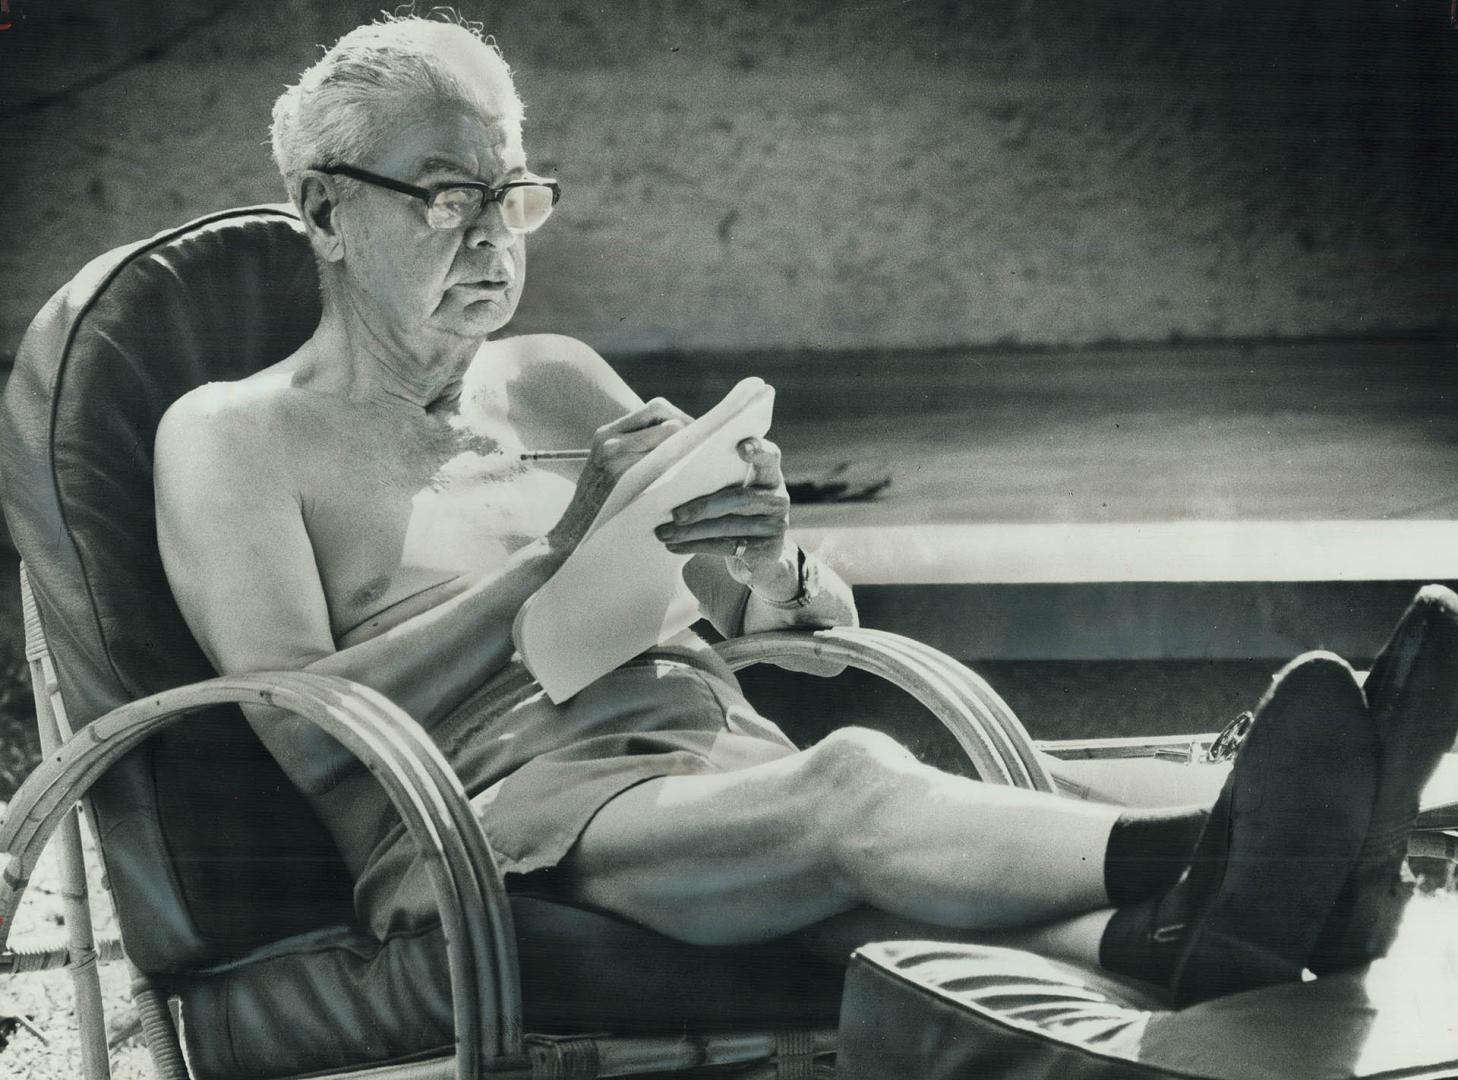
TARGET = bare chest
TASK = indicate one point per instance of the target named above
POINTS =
(403, 511)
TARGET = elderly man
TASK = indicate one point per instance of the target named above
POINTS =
(361, 509)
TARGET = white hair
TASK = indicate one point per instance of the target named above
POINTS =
(350, 100)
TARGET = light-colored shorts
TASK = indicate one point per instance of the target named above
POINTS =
(537, 773)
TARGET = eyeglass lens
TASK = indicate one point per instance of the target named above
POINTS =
(523, 208)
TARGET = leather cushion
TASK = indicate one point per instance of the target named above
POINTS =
(210, 851)
(935, 1011)
(338, 998)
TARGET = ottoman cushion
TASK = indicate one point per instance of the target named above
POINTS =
(930, 1010)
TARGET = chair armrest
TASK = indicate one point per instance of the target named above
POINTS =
(474, 912)
(988, 732)
(1184, 749)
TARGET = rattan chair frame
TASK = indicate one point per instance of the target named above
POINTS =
(474, 910)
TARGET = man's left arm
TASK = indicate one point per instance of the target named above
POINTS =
(821, 599)
(812, 597)
(771, 587)
(747, 572)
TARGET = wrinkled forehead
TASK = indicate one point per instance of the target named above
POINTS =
(437, 143)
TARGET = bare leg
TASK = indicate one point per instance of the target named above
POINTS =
(853, 822)
(1075, 939)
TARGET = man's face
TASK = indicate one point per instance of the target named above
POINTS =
(463, 282)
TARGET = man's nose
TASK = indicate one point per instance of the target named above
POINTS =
(489, 229)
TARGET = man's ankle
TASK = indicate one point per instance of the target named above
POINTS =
(1143, 940)
(1148, 850)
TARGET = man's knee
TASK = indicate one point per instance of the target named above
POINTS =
(852, 775)
(856, 760)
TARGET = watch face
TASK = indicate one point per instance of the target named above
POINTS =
(809, 579)
(810, 586)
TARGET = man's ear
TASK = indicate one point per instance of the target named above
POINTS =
(319, 199)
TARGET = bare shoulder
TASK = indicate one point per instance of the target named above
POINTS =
(226, 429)
(560, 374)
(555, 353)
(230, 526)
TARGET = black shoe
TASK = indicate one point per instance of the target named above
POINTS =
(1412, 693)
(1282, 837)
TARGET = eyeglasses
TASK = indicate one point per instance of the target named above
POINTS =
(525, 204)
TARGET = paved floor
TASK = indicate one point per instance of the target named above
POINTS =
(1295, 431)
(1208, 433)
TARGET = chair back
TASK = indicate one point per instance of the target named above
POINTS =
(209, 849)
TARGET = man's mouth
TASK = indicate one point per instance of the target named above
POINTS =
(490, 284)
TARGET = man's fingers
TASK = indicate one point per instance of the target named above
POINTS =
(723, 545)
(642, 440)
(734, 499)
(718, 528)
(647, 415)
(764, 456)
(617, 445)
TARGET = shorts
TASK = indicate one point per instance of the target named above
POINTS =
(537, 773)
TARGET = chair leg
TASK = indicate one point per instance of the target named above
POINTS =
(53, 729)
(161, 1034)
(85, 975)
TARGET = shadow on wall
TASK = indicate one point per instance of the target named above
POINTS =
(822, 175)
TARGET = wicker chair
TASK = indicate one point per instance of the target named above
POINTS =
(234, 908)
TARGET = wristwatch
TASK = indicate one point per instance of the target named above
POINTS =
(809, 587)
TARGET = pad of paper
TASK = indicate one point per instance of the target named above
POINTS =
(621, 591)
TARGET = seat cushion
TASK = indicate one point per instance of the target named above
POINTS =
(338, 997)
(933, 1010)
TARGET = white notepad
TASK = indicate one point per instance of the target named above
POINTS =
(621, 591)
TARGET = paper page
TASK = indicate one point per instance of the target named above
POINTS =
(663, 456)
(621, 591)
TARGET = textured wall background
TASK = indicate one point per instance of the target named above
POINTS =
(814, 174)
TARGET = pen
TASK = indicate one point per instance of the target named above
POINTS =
(556, 455)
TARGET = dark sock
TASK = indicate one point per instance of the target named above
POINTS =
(1145, 937)
(1143, 940)
(1147, 852)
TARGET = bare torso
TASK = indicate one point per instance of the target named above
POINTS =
(401, 506)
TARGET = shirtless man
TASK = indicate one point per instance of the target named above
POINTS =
(359, 509)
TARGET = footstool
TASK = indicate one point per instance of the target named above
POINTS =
(924, 1010)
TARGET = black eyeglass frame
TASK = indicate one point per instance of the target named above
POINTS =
(489, 194)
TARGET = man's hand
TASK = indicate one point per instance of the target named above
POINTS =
(616, 447)
(745, 523)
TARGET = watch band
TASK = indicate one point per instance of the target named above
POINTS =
(809, 585)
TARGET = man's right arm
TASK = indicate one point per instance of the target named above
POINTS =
(241, 565)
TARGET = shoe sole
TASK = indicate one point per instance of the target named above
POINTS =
(1300, 810)
(1413, 740)
(1413, 695)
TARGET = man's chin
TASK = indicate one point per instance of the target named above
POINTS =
(477, 317)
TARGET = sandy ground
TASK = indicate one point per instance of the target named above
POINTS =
(44, 999)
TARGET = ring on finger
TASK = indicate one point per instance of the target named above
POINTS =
(739, 548)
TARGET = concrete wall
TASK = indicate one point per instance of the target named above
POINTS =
(812, 174)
